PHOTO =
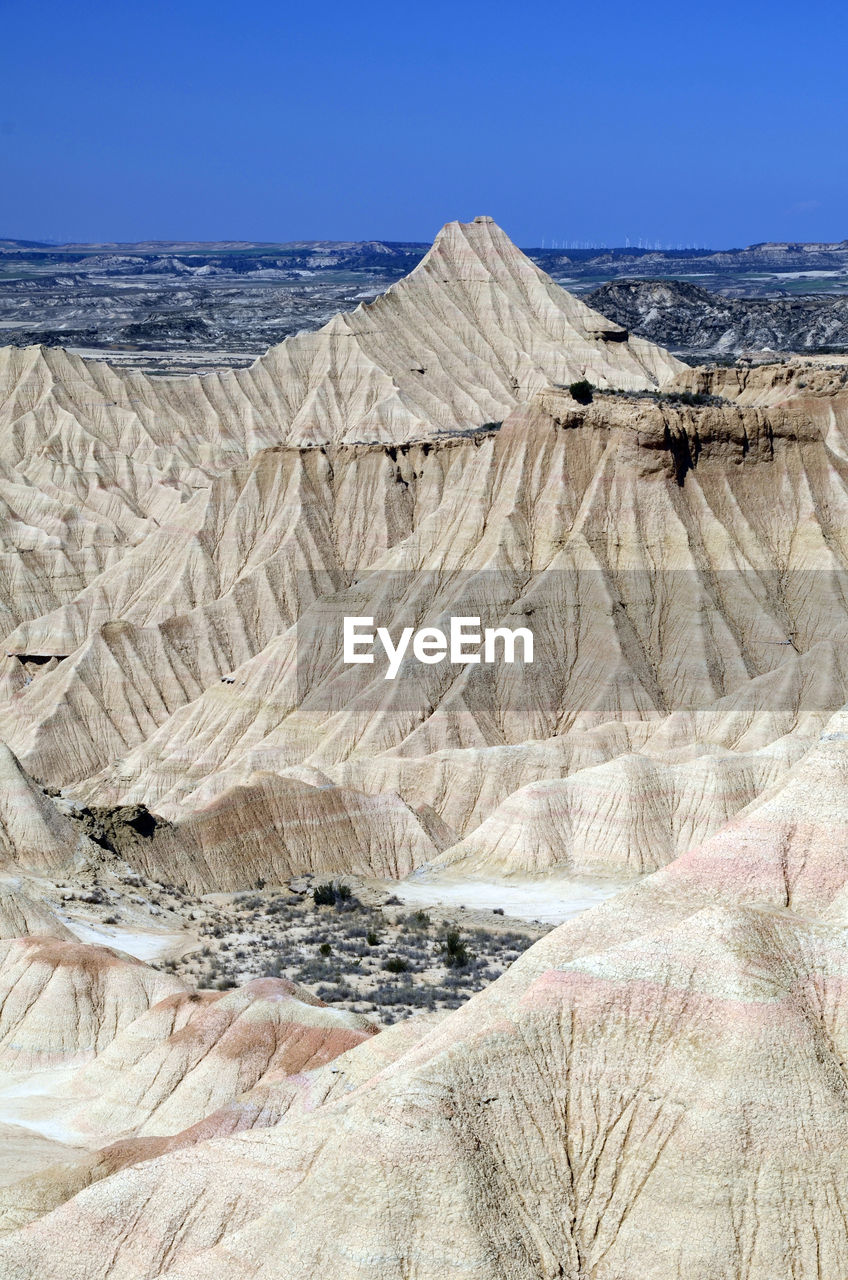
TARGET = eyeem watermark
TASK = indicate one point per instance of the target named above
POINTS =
(431, 644)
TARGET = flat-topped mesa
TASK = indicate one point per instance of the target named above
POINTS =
(667, 431)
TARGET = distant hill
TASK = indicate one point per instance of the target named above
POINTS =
(695, 322)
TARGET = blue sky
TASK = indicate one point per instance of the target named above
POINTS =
(719, 125)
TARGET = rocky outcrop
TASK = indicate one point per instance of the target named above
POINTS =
(272, 828)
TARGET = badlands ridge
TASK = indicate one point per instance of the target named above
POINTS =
(657, 1088)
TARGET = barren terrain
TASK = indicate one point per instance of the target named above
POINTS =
(186, 307)
(500, 971)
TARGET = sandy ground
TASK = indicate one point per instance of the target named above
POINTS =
(32, 1132)
(543, 900)
(144, 946)
(26, 1151)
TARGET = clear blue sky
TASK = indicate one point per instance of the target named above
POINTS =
(720, 124)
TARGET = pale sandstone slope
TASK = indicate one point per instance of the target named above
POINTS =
(219, 566)
(271, 828)
(22, 913)
(655, 594)
(655, 1089)
(632, 814)
(475, 329)
(279, 1094)
(197, 598)
(149, 1083)
(63, 1001)
(649, 541)
(257, 526)
(684, 566)
(492, 326)
(34, 834)
(89, 461)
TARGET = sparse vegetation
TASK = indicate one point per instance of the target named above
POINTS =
(690, 399)
(419, 920)
(368, 956)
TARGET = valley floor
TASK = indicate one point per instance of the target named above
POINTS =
(379, 947)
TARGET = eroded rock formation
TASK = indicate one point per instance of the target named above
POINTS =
(656, 1089)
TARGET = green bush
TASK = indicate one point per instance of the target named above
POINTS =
(456, 954)
(395, 964)
(332, 894)
(581, 391)
(693, 398)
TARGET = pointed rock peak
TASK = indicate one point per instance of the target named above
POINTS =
(33, 832)
(482, 230)
(477, 247)
(9, 763)
(13, 774)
